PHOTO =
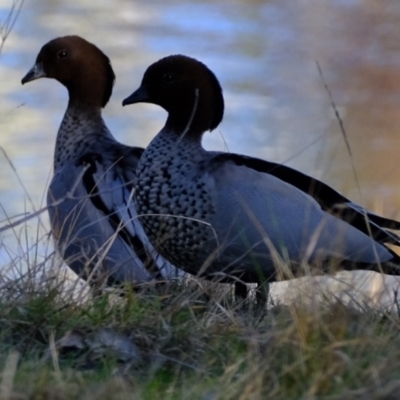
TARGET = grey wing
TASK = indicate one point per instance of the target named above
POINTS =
(257, 212)
(85, 206)
(116, 188)
(328, 198)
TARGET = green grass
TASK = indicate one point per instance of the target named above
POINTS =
(193, 342)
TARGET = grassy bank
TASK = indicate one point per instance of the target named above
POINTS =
(191, 342)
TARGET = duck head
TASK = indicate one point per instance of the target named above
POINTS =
(79, 65)
(186, 89)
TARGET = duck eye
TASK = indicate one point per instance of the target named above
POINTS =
(62, 54)
(168, 78)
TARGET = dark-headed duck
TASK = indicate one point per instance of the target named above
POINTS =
(92, 213)
(228, 216)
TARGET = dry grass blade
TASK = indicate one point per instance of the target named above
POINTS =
(8, 23)
(342, 129)
(194, 109)
(344, 134)
(10, 368)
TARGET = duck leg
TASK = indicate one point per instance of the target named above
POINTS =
(262, 293)
(241, 291)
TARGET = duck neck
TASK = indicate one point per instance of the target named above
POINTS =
(184, 131)
(185, 138)
(87, 90)
(82, 124)
(170, 147)
(190, 117)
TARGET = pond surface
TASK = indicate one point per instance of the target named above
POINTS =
(263, 52)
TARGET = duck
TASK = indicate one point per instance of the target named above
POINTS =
(236, 218)
(90, 200)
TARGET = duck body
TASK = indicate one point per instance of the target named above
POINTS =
(227, 216)
(212, 213)
(90, 198)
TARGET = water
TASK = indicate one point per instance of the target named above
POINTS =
(263, 52)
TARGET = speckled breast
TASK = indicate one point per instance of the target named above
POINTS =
(174, 205)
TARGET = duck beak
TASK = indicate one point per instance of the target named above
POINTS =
(35, 72)
(138, 96)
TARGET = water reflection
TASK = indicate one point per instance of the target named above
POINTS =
(264, 53)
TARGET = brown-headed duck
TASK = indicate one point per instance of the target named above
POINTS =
(92, 212)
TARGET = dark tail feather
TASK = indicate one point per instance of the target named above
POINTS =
(391, 267)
